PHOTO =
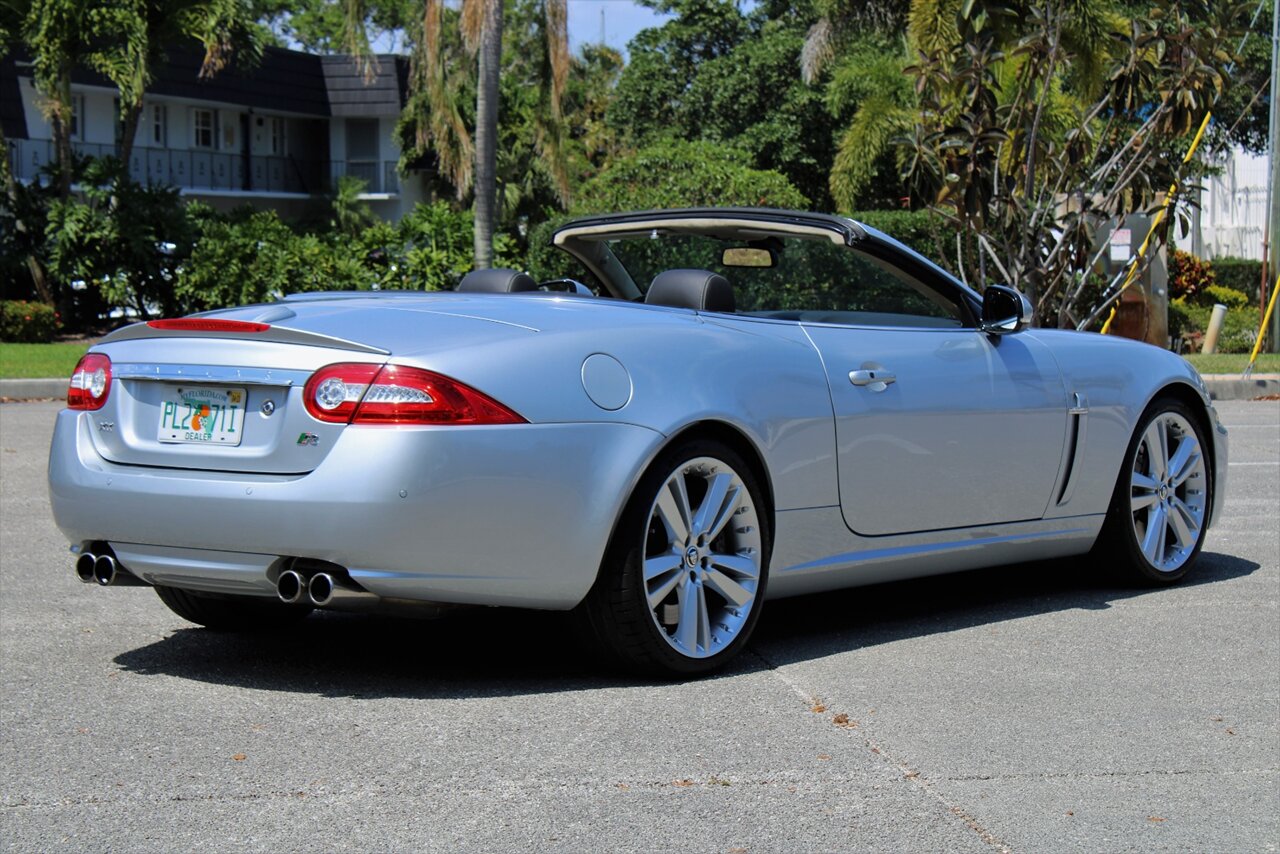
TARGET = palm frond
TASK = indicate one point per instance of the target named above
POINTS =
(931, 24)
(875, 126)
(817, 50)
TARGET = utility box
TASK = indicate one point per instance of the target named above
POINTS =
(1143, 310)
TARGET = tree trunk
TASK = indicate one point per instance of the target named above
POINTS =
(490, 57)
(131, 114)
(61, 125)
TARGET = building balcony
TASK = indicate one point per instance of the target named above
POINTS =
(199, 171)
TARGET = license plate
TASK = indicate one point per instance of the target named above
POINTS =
(208, 415)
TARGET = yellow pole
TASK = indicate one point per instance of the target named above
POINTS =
(1132, 274)
(1262, 331)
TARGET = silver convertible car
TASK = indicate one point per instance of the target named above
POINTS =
(720, 406)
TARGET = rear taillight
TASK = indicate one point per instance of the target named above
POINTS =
(207, 324)
(367, 394)
(333, 393)
(90, 382)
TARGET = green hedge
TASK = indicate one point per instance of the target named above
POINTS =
(27, 322)
(1239, 274)
(1239, 328)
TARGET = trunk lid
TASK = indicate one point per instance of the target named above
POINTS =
(232, 401)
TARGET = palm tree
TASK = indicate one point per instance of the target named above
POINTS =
(224, 28)
(471, 163)
(124, 43)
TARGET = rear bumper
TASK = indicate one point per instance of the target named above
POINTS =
(508, 515)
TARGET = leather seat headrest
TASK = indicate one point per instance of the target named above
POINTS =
(497, 280)
(701, 290)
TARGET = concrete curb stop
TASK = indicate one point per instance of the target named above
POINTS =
(33, 389)
(1221, 387)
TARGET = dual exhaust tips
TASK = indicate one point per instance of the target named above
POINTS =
(321, 590)
(105, 570)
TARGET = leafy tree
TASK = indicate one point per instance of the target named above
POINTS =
(676, 173)
(665, 60)
(667, 174)
(713, 73)
(1009, 142)
(125, 241)
(323, 26)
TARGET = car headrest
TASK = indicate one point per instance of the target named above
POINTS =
(497, 280)
(701, 290)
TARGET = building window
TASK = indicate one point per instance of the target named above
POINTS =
(159, 121)
(77, 117)
(202, 135)
(227, 140)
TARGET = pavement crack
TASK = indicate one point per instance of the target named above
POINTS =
(909, 772)
(1104, 775)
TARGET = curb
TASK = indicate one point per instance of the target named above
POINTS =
(1233, 387)
(1221, 387)
(33, 389)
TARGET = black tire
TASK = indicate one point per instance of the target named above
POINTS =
(1121, 543)
(617, 613)
(230, 613)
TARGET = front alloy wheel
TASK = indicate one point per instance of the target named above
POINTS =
(1168, 488)
(1160, 510)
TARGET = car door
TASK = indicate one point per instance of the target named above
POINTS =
(941, 428)
(938, 424)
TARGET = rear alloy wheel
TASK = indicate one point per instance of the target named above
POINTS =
(682, 585)
(230, 613)
(1160, 510)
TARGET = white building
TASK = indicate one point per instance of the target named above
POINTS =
(1232, 217)
(274, 136)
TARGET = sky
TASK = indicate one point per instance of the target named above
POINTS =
(622, 20)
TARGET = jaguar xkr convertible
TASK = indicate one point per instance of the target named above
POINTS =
(715, 407)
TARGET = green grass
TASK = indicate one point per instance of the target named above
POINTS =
(19, 361)
(1234, 363)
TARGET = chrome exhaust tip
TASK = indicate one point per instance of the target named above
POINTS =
(334, 591)
(84, 567)
(321, 588)
(292, 587)
(104, 570)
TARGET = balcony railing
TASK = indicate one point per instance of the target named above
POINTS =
(213, 170)
(379, 176)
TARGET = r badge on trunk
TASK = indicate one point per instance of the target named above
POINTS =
(310, 439)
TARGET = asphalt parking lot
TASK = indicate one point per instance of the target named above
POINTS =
(1028, 708)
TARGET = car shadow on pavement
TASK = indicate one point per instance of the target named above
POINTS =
(813, 626)
(490, 652)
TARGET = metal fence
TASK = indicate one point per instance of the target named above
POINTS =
(213, 170)
(379, 176)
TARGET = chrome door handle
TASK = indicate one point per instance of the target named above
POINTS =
(872, 377)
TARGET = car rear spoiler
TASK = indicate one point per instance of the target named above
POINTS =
(267, 332)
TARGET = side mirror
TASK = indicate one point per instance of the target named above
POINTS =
(1004, 310)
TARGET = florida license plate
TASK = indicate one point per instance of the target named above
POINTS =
(208, 415)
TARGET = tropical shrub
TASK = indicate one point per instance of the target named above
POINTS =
(1189, 321)
(1215, 294)
(1189, 275)
(26, 322)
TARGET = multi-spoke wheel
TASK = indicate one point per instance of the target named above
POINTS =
(1160, 509)
(681, 587)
